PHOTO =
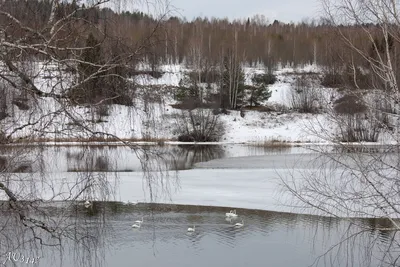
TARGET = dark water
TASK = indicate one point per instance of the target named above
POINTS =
(266, 239)
(45, 159)
(102, 234)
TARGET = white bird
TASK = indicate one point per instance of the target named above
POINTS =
(139, 222)
(239, 224)
(190, 229)
(88, 204)
(136, 225)
(231, 214)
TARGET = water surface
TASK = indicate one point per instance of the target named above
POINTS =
(266, 239)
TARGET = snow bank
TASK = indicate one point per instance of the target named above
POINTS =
(146, 121)
(243, 182)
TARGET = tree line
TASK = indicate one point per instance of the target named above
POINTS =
(179, 40)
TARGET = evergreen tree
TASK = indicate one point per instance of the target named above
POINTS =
(259, 91)
(88, 72)
(115, 85)
(188, 88)
(96, 84)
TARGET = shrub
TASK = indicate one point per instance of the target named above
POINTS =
(266, 79)
(199, 125)
(356, 121)
(101, 164)
(332, 79)
(348, 78)
(357, 128)
(349, 104)
(188, 89)
(304, 97)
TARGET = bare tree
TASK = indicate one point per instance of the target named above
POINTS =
(41, 62)
(304, 96)
(354, 179)
(199, 125)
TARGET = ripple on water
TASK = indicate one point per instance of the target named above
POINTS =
(163, 239)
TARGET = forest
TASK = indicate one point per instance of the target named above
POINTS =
(100, 50)
(173, 40)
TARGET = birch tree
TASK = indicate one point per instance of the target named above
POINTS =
(40, 61)
(353, 179)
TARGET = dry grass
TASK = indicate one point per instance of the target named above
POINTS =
(272, 143)
(88, 141)
(259, 108)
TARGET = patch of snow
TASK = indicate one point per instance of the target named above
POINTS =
(246, 182)
(153, 120)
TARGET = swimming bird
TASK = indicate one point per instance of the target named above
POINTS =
(231, 214)
(136, 225)
(87, 204)
(140, 222)
(239, 224)
(192, 229)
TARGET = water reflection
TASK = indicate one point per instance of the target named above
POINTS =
(103, 236)
(15, 159)
(188, 155)
(19, 160)
(40, 232)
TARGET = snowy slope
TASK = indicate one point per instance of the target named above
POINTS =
(151, 121)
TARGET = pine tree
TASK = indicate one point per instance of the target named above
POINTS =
(259, 91)
(88, 72)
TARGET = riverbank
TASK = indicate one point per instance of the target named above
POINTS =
(157, 119)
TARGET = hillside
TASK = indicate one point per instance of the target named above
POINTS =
(153, 116)
(157, 119)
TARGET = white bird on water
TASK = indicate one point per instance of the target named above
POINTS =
(239, 224)
(192, 229)
(231, 214)
(136, 225)
(138, 221)
(87, 204)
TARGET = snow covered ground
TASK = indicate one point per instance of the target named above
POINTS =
(158, 120)
(242, 182)
(240, 179)
(249, 188)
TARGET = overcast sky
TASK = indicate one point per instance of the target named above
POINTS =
(282, 10)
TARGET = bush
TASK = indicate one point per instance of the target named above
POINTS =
(101, 111)
(188, 89)
(332, 79)
(304, 97)
(356, 122)
(349, 104)
(337, 79)
(266, 79)
(199, 125)
(357, 128)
